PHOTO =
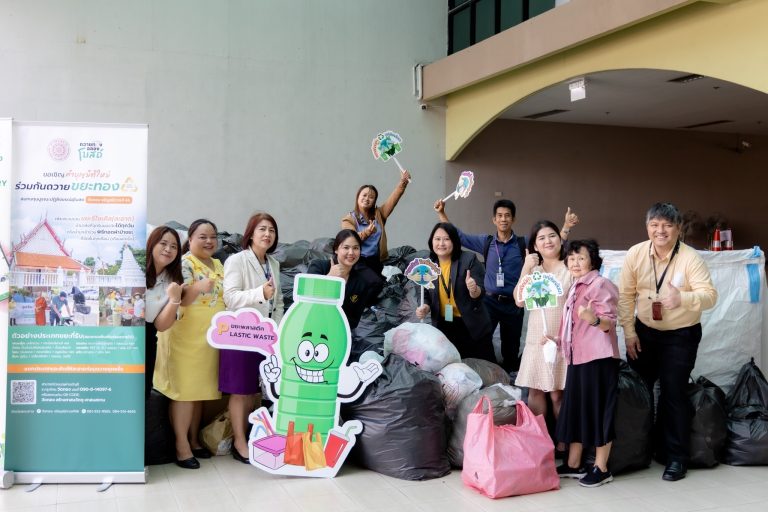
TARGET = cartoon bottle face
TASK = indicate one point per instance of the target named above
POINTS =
(314, 346)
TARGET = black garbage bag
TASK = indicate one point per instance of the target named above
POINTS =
(750, 388)
(229, 244)
(747, 443)
(631, 449)
(747, 405)
(504, 413)
(324, 245)
(292, 255)
(369, 333)
(491, 373)
(159, 441)
(398, 257)
(404, 423)
(708, 427)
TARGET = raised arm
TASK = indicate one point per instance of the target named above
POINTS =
(389, 205)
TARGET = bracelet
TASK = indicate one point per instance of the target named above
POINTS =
(174, 303)
(596, 322)
(566, 231)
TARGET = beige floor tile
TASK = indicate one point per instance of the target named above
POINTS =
(429, 490)
(370, 498)
(154, 502)
(71, 493)
(326, 502)
(17, 497)
(103, 505)
(452, 505)
(207, 499)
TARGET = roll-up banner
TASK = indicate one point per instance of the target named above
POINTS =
(6, 308)
(75, 350)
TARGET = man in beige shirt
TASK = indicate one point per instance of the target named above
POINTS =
(665, 285)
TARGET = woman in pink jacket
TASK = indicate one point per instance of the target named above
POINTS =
(590, 347)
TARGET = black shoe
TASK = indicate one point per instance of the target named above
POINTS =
(565, 471)
(201, 453)
(595, 478)
(236, 455)
(190, 463)
(674, 471)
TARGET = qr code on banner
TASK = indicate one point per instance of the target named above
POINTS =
(23, 392)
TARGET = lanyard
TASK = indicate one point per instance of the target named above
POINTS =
(447, 287)
(267, 272)
(496, 245)
(653, 264)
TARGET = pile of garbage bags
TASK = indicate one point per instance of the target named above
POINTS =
(414, 415)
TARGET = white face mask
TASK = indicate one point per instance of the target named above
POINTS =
(550, 352)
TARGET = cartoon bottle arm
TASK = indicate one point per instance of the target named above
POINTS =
(271, 371)
(364, 374)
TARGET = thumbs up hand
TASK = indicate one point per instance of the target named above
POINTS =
(587, 313)
(672, 300)
(571, 219)
(531, 260)
(474, 290)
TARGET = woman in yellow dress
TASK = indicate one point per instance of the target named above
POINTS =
(187, 368)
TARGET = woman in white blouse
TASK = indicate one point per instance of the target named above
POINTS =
(251, 279)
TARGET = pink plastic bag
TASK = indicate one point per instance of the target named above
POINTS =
(508, 460)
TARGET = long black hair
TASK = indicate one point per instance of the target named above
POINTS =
(535, 232)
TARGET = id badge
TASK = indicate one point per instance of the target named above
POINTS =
(656, 311)
(500, 280)
(448, 313)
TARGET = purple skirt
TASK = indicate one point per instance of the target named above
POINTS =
(239, 372)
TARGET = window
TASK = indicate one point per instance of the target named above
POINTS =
(471, 21)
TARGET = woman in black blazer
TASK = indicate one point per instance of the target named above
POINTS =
(456, 302)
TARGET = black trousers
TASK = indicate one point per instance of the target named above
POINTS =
(150, 354)
(459, 335)
(669, 357)
(510, 318)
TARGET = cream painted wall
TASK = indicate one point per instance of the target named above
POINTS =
(268, 104)
(726, 41)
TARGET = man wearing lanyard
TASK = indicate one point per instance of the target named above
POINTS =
(504, 254)
(664, 287)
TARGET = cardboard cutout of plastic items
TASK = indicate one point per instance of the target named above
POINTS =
(307, 378)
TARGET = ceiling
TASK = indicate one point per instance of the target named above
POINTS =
(645, 98)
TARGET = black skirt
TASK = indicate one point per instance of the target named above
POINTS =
(589, 403)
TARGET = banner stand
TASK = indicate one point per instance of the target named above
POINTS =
(73, 357)
(105, 478)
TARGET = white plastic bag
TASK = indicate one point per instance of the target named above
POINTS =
(458, 381)
(422, 345)
(550, 352)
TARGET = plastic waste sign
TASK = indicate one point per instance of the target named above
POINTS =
(307, 378)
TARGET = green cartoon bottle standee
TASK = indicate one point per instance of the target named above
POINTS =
(314, 345)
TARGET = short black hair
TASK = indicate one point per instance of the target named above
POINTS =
(592, 249)
(504, 203)
(666, 211)
(453, 234)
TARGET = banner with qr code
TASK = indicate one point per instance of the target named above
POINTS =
(5, 251)
(75, 339)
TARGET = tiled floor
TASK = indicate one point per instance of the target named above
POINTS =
(223, 485)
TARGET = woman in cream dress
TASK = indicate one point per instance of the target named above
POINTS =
(544, 254)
